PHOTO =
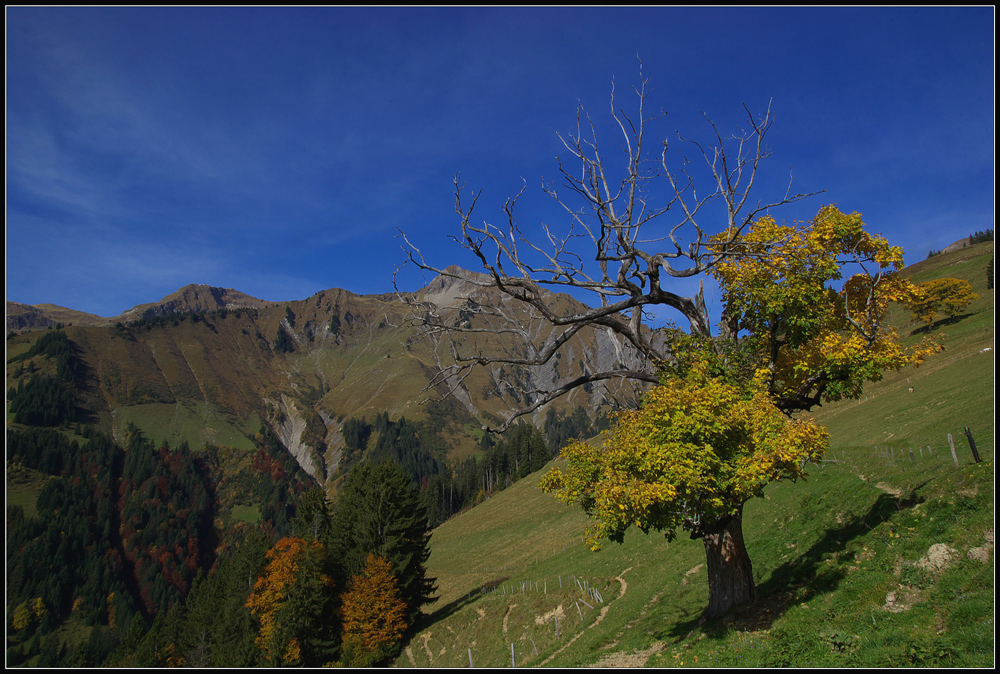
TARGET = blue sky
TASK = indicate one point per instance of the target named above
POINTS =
(279, 151)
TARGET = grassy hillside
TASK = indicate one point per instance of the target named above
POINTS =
(844, 562)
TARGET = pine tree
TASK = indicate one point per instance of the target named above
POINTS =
(380, 512)
(313, 519)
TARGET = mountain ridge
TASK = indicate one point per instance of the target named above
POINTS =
(209, 365)
(196, 297)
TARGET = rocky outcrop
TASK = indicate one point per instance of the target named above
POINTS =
(290, 427)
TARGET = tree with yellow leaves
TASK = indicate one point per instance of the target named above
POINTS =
(942, 297)
(719, 428)
(27, 613)
(803, 323)
(373, 614)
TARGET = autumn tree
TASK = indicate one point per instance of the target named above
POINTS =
(943, 296)
(717, 425)
(291, 601)
(373, 614)
(718, 428)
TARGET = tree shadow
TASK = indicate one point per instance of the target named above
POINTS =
(428, 619)
(802, 578)
(87, 389)
(940, 323)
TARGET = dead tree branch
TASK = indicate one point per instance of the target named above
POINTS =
(622, 218)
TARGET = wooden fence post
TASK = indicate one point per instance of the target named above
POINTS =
(954, 455)
(972, 444)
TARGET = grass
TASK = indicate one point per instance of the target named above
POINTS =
(196, 424)
(249, 514)
(23, 489)
(837, 558)
(827, 554)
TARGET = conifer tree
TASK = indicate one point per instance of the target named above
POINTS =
(313, 519)
(379, 512)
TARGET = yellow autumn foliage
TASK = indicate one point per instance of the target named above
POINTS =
(943, 297)
(698, 448)
(272, 590)
(719, 427)
(818, 342)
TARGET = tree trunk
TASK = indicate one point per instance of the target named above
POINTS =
(730, 575)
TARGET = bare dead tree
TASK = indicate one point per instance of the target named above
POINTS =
(644, 227)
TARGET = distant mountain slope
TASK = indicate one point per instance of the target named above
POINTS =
(22, 317)
(207, 364)
(197, 298)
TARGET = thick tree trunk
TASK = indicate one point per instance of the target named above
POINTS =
(730, 575)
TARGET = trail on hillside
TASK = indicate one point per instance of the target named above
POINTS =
(600, 617)
(506, 615)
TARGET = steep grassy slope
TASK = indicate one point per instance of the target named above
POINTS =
(844, 562)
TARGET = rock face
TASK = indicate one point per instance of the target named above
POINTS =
(26, 317)
(457, 296)
(290, 432)
(23, 317)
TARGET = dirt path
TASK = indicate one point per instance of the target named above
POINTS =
(633, 659)
(426, 636)
(600, 617)
(507, 615)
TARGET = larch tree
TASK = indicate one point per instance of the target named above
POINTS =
(373, 614)
(717, 424)
(378, 511)
(292, 601)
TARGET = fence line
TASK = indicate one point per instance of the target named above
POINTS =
(890, 453)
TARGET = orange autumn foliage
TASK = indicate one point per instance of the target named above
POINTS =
(373, 614)
(271, 593)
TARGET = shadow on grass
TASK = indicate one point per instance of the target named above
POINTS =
(940, 323)
(799, 579)
(428, 619)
